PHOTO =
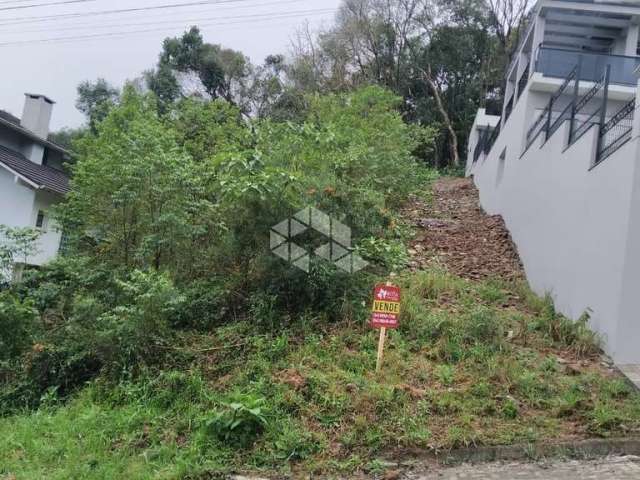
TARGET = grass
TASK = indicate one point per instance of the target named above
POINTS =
(473, 363)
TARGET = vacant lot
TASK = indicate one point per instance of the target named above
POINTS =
(475, 362)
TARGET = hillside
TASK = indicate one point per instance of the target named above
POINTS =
(477, 360)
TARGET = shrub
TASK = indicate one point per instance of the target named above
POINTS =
(206, 304)
(131, 332)
(17, 324)
(239, 422)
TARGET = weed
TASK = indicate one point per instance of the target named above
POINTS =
(604, 418)
(492, 292)
(509, 409)
(445, 374)
(239, 422)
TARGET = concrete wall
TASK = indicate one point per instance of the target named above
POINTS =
(19, 205)
(577, 229)
(16, 201)
(49, 241)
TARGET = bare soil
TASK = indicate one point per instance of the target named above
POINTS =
(454, 232)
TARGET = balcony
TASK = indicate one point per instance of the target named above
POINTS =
(558, 63)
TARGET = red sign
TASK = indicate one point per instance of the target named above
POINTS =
(386, 306)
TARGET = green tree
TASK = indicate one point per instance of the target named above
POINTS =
(220, 71)
(95, 100)
(16, 246)
(164, 84)
(136, 198)
(209, 129)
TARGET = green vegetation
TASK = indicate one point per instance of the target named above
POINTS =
(304, 397)
(170, 342)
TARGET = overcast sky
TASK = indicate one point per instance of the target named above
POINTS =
(54, 68)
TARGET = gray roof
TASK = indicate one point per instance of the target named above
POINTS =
(9, 117)
(42, 176)
(10, 122)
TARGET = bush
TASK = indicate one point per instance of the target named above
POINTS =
(131, 332)
(206, 304)
(240, 421)
(17, 324)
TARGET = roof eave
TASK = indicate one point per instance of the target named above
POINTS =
(33, 136)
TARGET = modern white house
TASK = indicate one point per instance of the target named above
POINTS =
(32, 178)
(562, 163)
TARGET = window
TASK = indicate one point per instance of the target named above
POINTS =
(63, 248)
(41, 220)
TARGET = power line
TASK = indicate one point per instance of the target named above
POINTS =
(20, 20)
(149, 30)
(161, 13)
(5, 2)
(82, 26)
(34, 5)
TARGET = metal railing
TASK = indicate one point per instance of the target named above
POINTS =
(492, 138)
(550, 120)
(615, 132)
(537, 127)
(557, 119)
(522, 83)
(580, 126)
(479, 150)
(486, 139)
(508, 109)
(557, 62)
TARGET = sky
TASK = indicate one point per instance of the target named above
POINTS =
(40, 51)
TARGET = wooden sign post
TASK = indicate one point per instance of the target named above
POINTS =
(385, 314)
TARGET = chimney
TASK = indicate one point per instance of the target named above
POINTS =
(37, 114)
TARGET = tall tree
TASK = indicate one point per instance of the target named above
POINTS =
(508, 18)
(214, 71)
(95, 100)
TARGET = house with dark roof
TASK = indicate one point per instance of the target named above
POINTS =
(32, 177)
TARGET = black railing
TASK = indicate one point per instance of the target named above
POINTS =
(522, 83)
(549, 120)
(508, 109)
(487, 137)
(558, 119)
(479, 146)
(538, 126)
(492, 138)
(580, 124)
(616, 131)
(557, 62)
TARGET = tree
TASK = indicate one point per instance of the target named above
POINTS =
(95, 100)
(164, 84)
(136, 198)
(508, 18)
(66, 137)
(16, 246)
(219, 71)
(209, 130)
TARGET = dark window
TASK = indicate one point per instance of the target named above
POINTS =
(40, 219)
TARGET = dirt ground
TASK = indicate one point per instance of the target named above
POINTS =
(454, 232)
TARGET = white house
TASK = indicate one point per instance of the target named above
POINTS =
(561, 164)
(31, 174)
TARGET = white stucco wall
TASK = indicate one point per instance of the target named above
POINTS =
(19, 205)
(49, 241)
(577, 230)
(16, 201)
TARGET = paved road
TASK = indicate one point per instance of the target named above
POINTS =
(614, 468)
